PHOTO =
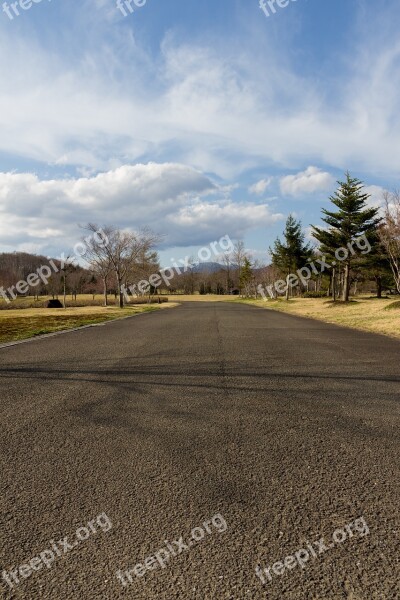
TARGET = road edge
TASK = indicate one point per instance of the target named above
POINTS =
(73, 329)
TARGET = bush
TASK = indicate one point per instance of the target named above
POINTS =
(54, 304)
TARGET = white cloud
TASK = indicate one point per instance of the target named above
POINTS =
(376, 193)
(216, 109)
(260, 187)
(112, 100)
(172, 199)
(235, 219)
(306, 182)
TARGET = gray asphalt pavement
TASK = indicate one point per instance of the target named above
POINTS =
(187, 447)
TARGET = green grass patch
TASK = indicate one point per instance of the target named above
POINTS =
(14, 328)
(393, 306)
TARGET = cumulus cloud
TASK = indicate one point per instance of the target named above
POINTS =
(172, 199)
(235, 218)
(212, 108)
(376, 193)
(116, 99)
(306, 182)
(259, 188)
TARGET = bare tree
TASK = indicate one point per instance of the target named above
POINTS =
(389, 232)
(119, 249)
(239, 255)
(141, 271)
(227, 260)
(94, 254)
(68, 267)
(258, 275)
(102, 268)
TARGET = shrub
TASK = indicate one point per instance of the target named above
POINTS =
(54, 304)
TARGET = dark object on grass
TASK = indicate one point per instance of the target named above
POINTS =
(54, 304)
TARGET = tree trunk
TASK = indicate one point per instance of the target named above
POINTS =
(120, 292)
(378, 286)
(340, 279)
(346, 283)
(65, 291)
(334, 285)
(105, 292)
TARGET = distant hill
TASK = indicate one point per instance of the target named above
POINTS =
(204, 267)
(208, 267)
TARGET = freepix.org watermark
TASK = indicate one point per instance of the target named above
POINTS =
(44, 273)
(317, 267)
(56, 550)
(161, 558)
(313, 550)
(126, 8)
(269, 7)
(12, 9)
(224, 244)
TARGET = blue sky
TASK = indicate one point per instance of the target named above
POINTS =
(198, 118)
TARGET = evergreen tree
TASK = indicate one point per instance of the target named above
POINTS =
(352, 220)
(377, 266)
(293, 253)
(246, 275)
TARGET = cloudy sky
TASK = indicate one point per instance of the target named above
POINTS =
(198, 118)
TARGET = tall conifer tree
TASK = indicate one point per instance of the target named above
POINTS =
(352, 219)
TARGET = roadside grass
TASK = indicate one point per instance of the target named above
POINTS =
(365, 313)
(23, 324)
(81, 301)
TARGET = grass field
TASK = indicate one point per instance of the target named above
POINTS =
(81, 301)
(368, 314)
(22, 324)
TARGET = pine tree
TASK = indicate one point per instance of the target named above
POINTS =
(352, 220)
(376, 264)
(246, 275)
(293, 253)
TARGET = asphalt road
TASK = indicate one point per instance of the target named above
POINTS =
(143, 431)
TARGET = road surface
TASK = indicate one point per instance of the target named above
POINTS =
(172, 454)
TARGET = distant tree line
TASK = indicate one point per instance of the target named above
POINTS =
(111, 262)
(16, 266)
(119, 261)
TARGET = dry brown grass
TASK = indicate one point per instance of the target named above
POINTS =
(22, 324)
(81, 301)
(368, 314)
